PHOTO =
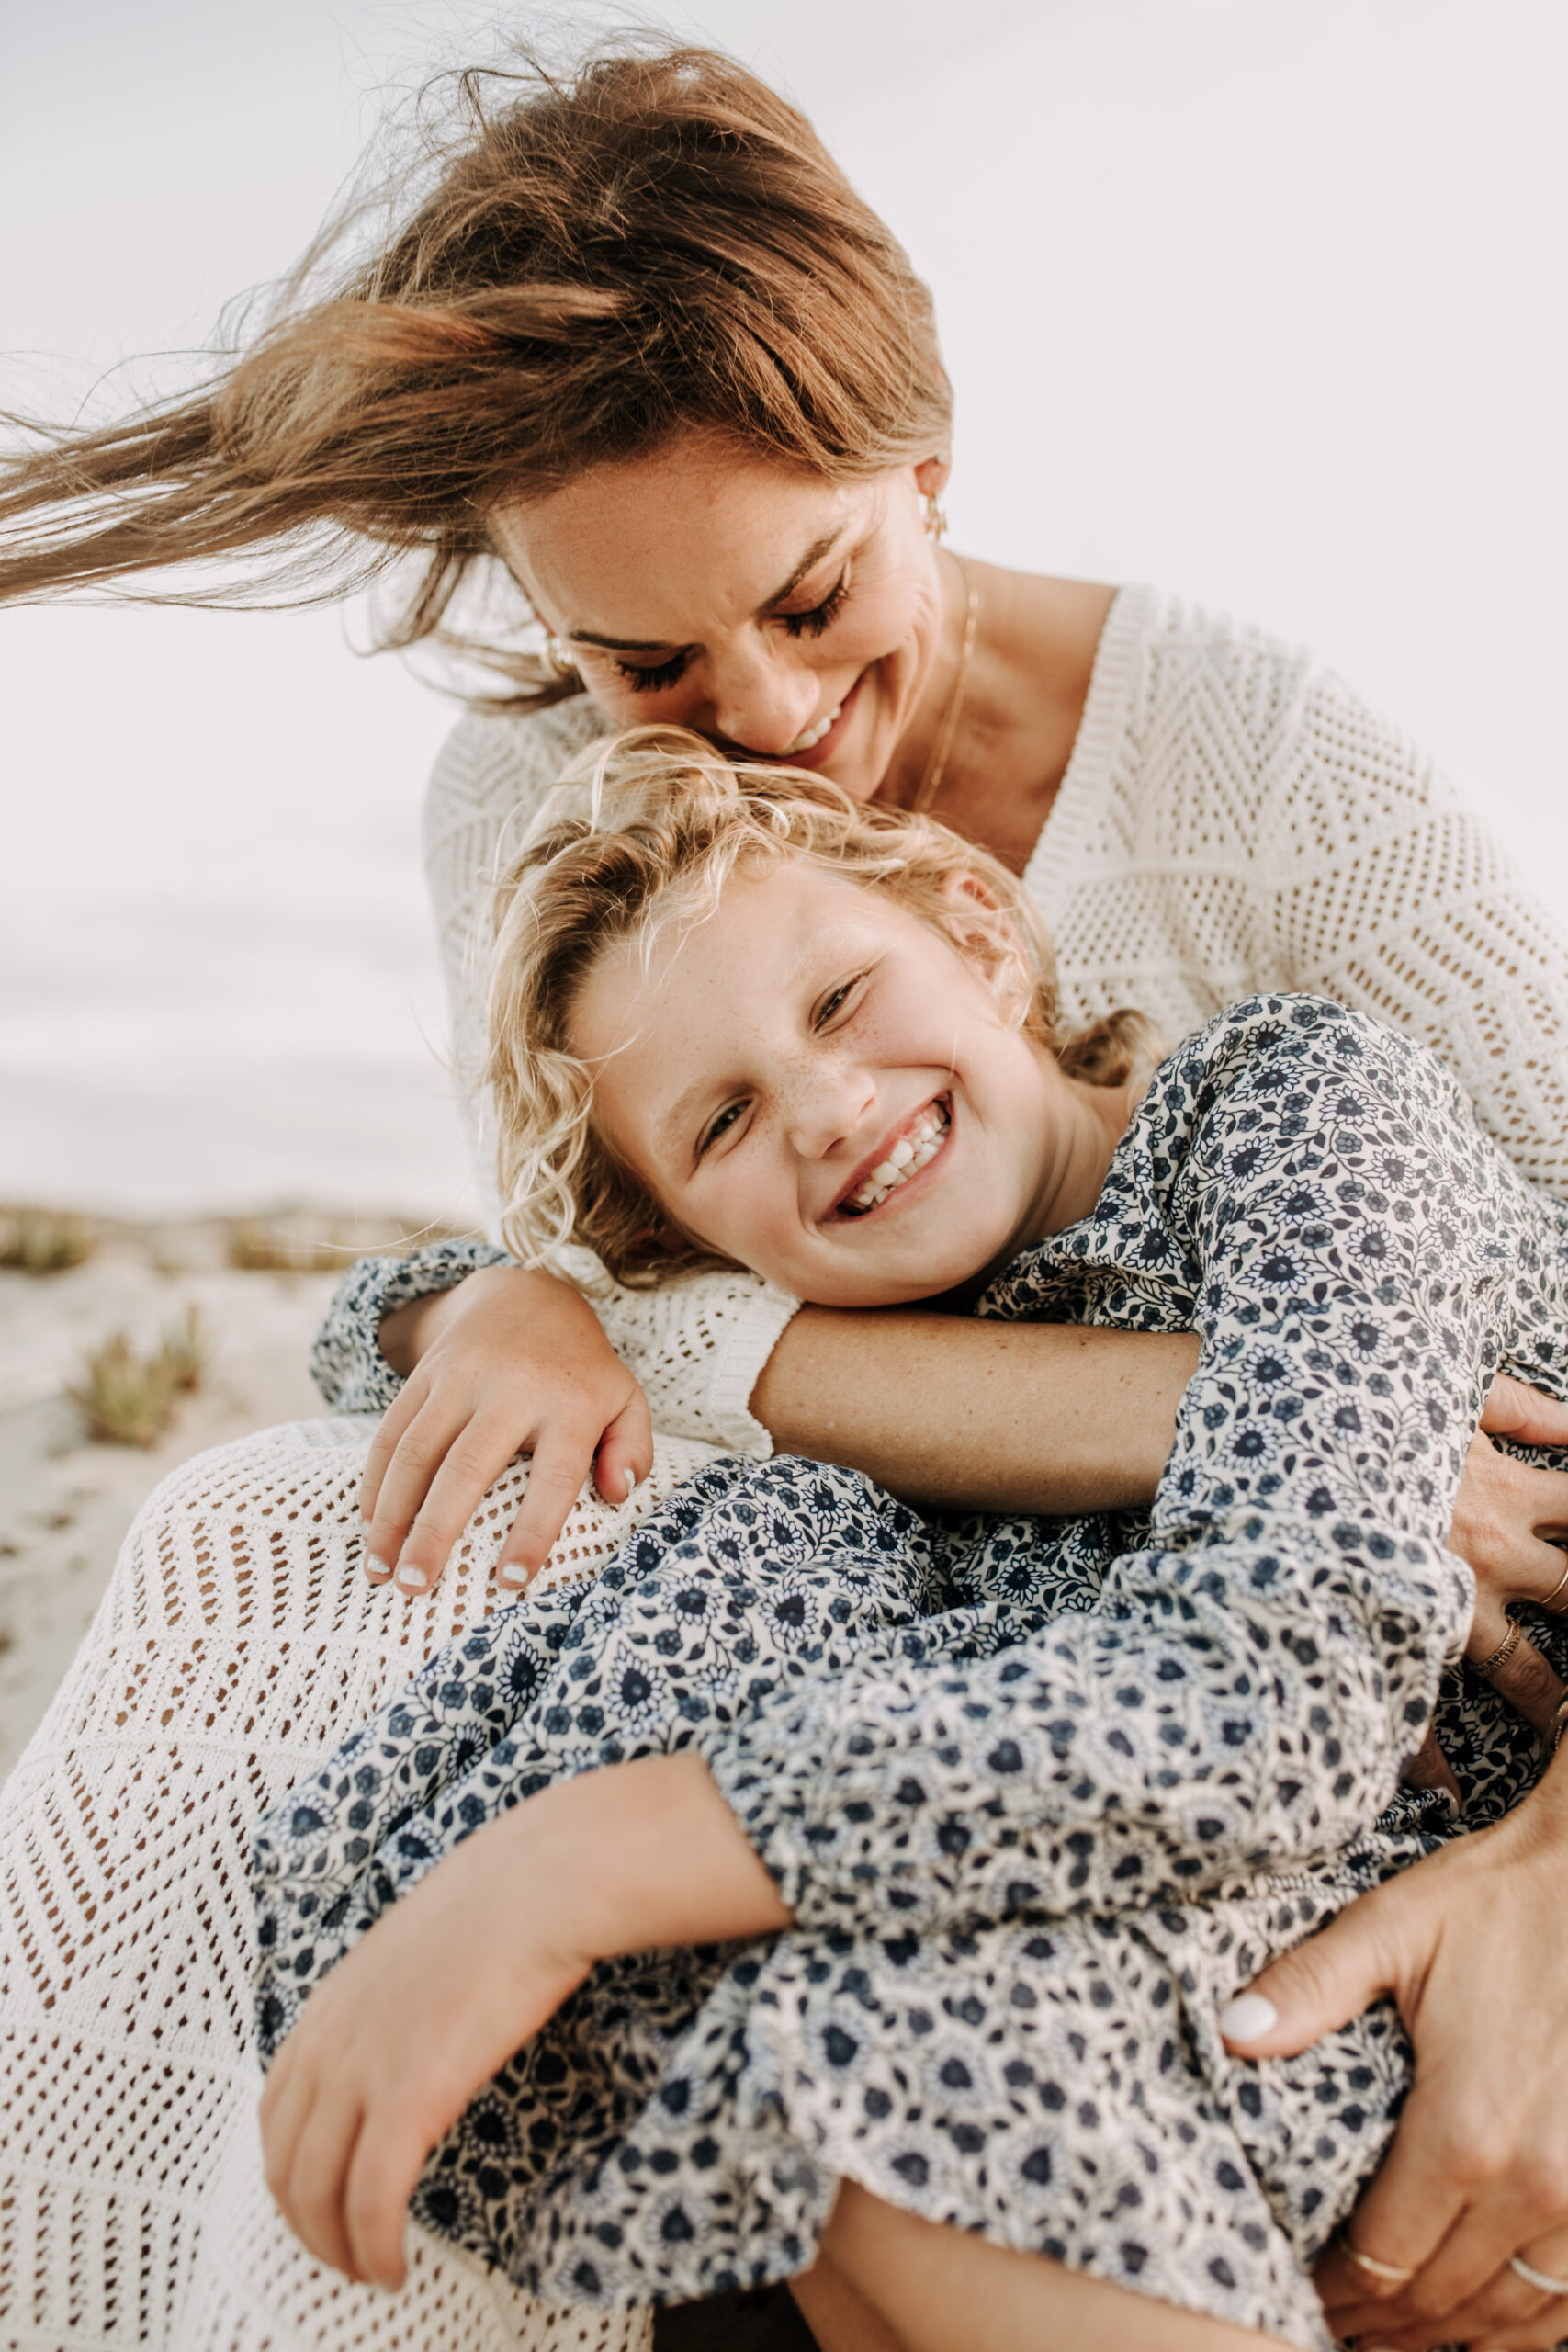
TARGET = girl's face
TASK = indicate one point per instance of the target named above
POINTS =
(782, 617)
(821, 1086)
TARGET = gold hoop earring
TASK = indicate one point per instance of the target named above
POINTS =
(560, 660)
(936, 521)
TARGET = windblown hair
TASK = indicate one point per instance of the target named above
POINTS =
(645, 831)
(652, 244)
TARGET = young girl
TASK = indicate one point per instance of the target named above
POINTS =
(1018, 1804)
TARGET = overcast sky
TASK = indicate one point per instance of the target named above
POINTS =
(1261, 299)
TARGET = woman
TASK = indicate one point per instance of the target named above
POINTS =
(642, 342)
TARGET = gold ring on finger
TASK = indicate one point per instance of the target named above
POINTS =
(1393, 2271)
(1555, 1595)
(1533, 2278)
(1504, 1651)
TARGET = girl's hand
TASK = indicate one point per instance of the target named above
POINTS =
(376, 2071)
(1509, 1520)
(506, 1926)
(508, 1362)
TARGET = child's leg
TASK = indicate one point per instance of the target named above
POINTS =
(939, 2288)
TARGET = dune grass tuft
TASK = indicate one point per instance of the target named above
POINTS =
(129, 1399)
(42, 1241)
(258, 1248)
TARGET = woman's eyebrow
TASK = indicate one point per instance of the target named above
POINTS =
(812, 556)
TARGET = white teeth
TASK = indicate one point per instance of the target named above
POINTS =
(813, 735)
(912, 1152)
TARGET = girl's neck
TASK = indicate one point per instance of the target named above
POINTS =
(1075, 1183)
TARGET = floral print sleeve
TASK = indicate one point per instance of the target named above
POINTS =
(1314, 1195)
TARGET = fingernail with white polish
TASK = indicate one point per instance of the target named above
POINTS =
(412, 1579)
(509, 1574)
(1248, 2017)
(630, 1477)
(375, 1567)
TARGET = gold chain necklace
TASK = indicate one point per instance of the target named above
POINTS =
(930, 783)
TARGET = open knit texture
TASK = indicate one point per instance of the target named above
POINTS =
(1233, 820)
(238, 1646)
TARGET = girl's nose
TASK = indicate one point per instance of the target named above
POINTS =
(763, 700)
(834, 1106)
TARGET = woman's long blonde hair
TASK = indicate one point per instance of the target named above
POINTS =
(645, 831)
(589, 263)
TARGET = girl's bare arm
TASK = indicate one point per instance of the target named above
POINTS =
(948, 1411)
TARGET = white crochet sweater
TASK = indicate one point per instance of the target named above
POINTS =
(1233, 817)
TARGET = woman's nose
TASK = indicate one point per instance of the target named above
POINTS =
(762, 700)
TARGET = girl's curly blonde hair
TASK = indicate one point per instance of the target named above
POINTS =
(646, 830)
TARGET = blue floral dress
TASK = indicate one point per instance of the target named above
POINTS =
(1040, 1795)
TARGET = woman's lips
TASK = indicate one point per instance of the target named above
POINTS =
(817, 754)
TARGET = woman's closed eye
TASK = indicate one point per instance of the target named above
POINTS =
(655, 680)
(819, 616)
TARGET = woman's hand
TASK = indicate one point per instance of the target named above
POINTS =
(506, 1926)
(1470, 1943)
(1509, 1520)
(507, 1362)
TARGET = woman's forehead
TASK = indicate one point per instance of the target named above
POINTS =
(619, 555)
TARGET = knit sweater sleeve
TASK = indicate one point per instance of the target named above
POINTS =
(1236, 818)
(696, 1347)
(1382, 887)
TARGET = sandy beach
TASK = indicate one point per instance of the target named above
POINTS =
(67, 1500)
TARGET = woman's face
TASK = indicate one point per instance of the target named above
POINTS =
(783, 617)
(822, 1087)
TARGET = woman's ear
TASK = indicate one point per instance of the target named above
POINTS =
(933, 474)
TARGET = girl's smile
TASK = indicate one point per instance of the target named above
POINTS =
(822, 1087)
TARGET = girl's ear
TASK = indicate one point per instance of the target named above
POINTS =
(983, 929)
(964, 891)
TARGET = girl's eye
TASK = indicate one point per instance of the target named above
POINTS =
(720, 1127)
(820, 617)
(833, 1002)
(652, 682)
